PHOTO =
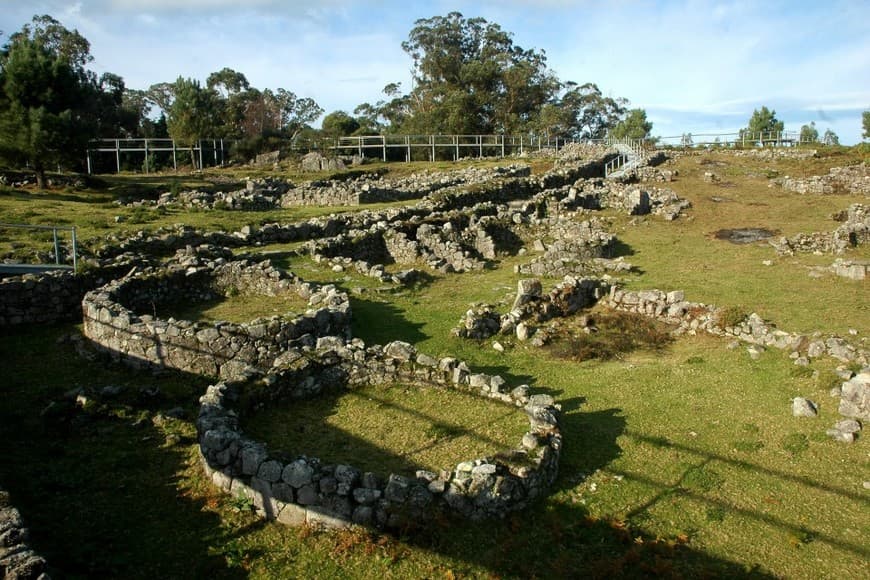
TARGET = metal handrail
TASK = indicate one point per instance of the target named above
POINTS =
(54, 230)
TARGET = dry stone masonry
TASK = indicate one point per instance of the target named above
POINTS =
(692, 317)
(18, 561)
(304, 489)
(854, 179)
(118, 317)
(853, 231)
(531, 307)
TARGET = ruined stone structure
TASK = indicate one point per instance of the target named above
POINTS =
(854, 231)
(853, 179)
(117, 316)
(531, 307)
(307, 490)
(18, 561)
(692, 317)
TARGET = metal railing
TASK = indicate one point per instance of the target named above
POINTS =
(151, 146)
(740, 138)
(56, 242)
(476, 145)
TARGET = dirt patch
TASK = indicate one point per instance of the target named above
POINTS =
(744, 235)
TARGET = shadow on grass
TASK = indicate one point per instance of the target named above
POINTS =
(112, 499)
(367, 434)
(380, 323)
(620, 249)
(555, 538)
(100, 492)
(691, 484)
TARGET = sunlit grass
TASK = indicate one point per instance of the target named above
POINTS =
(391, 428)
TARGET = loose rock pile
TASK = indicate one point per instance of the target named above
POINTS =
(18, 561)
(306, 490)
(531, 307)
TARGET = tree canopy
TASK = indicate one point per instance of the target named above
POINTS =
(471, 78)
(634, 126)
(50, 105)
(762, 124)
(809, 133)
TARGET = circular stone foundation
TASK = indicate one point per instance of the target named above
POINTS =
(116, 319)
(296, 489)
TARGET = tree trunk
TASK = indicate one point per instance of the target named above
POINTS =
(39, 170)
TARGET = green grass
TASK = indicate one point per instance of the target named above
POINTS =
(679, 460)
(391, 428)
(685, 255)
(238, 308)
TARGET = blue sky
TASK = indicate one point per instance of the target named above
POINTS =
(695, 66)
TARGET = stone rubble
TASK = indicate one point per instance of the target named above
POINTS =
(693, 317)
(531, 307)
(18, 561)
(854, 231)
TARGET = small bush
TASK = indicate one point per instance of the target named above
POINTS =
(730, 316)
(618, 333)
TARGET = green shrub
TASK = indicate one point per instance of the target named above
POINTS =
(730, 316)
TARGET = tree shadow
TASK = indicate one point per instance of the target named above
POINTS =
(558, 538)
(294, 428)
(620, 249)
(109, 497)
(100, 488)
(381, 322)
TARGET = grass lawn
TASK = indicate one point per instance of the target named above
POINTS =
(391, 428)
(681, 458)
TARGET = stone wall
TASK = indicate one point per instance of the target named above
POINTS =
(851, 269)
(307, 490)
(41, 298)
(531, 307)
(853, 179)
(366, 189)
(52, 296)
(258, 195)
(116, 317)
(692, 317)
(854, 231)
(18, 561)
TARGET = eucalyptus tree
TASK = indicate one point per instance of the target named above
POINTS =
(470, 77)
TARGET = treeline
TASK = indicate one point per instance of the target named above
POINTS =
(469, 78)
